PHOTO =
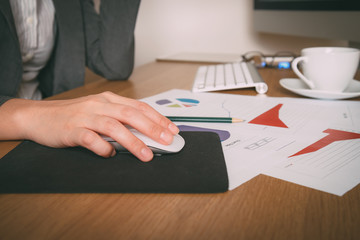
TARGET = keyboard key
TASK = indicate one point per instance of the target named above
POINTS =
(229, 75)
(220, 78)
(246, 73)
(201, 74)
(238, 72)
(210, 77)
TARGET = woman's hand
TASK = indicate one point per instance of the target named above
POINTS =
(78, 122)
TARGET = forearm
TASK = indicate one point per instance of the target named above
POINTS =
(109, 37)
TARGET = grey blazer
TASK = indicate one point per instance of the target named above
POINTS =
(104, 42)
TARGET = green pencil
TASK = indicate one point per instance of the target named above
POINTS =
(205, 119)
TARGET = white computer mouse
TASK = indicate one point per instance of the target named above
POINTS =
(157, 148)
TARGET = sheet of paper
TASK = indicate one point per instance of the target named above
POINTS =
(275, 129)
(330, 163)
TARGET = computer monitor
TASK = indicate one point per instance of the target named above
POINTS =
(326, 19)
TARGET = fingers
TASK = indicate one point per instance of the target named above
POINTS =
(117, 131)
(137, 114)
(157, 117)
(144, 108)
(116, 113)
(92, 141)
(95, 143)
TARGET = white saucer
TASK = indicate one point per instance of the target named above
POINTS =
(297, 86)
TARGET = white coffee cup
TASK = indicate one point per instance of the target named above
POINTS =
(327, 68)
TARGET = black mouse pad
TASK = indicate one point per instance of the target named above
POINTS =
(198, 168)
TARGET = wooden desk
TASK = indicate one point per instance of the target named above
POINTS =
(263, 208)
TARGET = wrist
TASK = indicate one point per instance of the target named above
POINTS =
(15, 119)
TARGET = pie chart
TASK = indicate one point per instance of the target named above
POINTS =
(178, 102)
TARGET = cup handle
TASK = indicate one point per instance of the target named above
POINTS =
(294, 66)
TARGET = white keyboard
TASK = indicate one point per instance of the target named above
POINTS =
(228, 76)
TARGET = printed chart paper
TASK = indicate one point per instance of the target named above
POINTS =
(313, 143)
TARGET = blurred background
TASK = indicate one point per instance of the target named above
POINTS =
(166, 27)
